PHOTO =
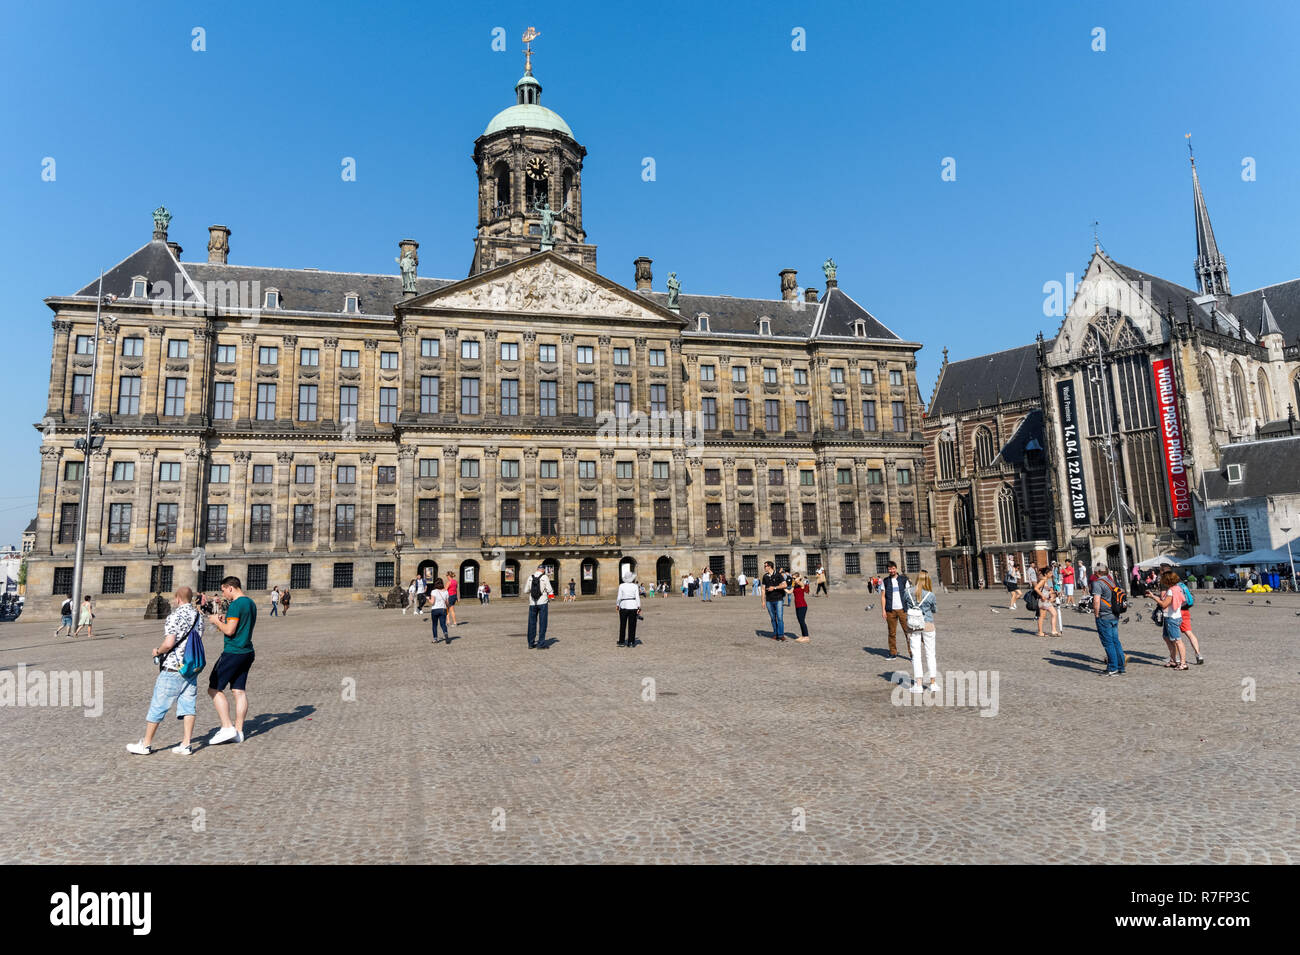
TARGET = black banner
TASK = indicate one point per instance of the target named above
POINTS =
(1076, 495)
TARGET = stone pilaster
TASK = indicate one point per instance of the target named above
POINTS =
(329, 382)
(762, 517)
(490, 526)
(366, 504)
(47, 510)
(449, 387)
(237, 526)
(325, 501)
(681, 500)
(193, 478)
(568, 516)
(568, 371)
(286, 395)
(530, 520)
(246, 382)
(57, 402)
(155, 357)
(368, 399)
(450, 475)
(146, 473)
(607, 515)
(645, 516)
(282, 529)
(410, 359)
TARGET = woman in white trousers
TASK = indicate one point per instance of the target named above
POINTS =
(917, 640)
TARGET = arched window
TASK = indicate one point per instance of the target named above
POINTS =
(501, 204)
(1265, 405)
(1210, 387)
(1008, 515)
(1239, 395)
(947, 459)
(959, 517)
(702, 322)
(983, 448)
(568, 187)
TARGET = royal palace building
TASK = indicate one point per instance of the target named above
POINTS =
(338, 432)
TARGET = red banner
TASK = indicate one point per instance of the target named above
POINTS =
(1171, 436)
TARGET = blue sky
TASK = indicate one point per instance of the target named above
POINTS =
(766, 158)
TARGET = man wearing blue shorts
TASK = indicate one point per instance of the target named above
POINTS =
(235, 660)
(170, 687)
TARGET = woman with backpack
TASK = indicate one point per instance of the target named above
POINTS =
(1047, 603)
(1186, 625)
(1171, 601)
(922, 598)
(438, 604)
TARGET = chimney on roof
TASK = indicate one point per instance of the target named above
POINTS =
(644, 277)
(789, 285)
(176, 249)
(810, 295)
(218, 244)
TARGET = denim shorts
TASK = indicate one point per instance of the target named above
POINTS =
(1173, 627)
(169, 688)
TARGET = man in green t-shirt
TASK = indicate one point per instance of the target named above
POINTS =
(235, 660)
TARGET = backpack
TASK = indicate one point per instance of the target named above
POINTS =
(535, 588)
(66, 609)
(1118, 602)
(1187, 593)
(1031, 601)
(193, 660)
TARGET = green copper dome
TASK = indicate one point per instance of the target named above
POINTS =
(531, 115)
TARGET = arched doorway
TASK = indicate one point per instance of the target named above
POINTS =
(625, 564)
(588, 577)
(510, 579)
(428, 569)
(468, 576)
(552, 571)
(664, 571)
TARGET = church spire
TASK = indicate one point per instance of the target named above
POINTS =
(1211, 269)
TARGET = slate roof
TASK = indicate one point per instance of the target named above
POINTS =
(1028, 436)
(839, 313)
(31, 528)
(1269, 468)
(739, 316)
(1283, 302)
(987, 380)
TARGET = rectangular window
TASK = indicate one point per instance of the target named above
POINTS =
(900, 417)
(1233, 534)
(839, 414)
(219, 474)
(114, 581)
(345, 522)
(428, 467)
(429, 348)
(510, 517)
(738, 373)
(800, 376)
(904, 475)
(259, 523)
(174, 402)
(426, 518)
(306, 402)
(713, 476)
(587, 516)
(882, 561)
(384, 571)
(912, 562)
(712, 519)
(896, 378)
(169, 471)
(866, 376)
(623, 470)
(586, 399)
(770, 375)
(809, 519)
(346, 474)
(469, 468)
(128, 396)
(134, 348)
(510, 469)
(469, 396)
(268, 355)
(387, 405)
(658, 358)
(744, 477)
(309, 357)
(707, 372)
(73, 470)
(875, 476)
(586, 355)
(853, 564)
(547, 399)
(775, 477)
(550, 515)
(877, 511)
(546, 353)
(749, 565)
(263, 473)
(385, 522)
(349, 396)
(626, 516)
(779, 526)
(123, 470)
(771, 415)
(663, 517)
(659, 470)
(587, 470)
(343, 576)
(387, 474)
(907, 517)
(848, 519)
(802, 420)
(304, 474)
(160, 579)
(869, 416)
(837, 376)
(623, 399)
(223, 400)
(745, 518)
(300, 576)
(510, 396)
(388, 360)
(178, 348)
(349, 358)
(469, 348)
(548, 469)
(469, 517)
(119, 523)
(843, 475)
(217, 523)
(659, 400)
(509, 351)
(806, 478)
(740, 412)
(266, 402)
(303, 522)
(622, 356)
(428, 394)
(165, 525)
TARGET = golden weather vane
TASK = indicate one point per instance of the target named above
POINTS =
(529, 36)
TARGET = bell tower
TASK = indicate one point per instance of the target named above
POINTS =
(529, 181)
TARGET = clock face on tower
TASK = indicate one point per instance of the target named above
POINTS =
(537, 168)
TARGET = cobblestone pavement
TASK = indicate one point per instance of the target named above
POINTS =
(750, 751)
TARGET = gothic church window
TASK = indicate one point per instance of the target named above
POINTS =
(1239, 394)
(1265, 405)
(983, 448)
(1008, 515)
(1209, 385)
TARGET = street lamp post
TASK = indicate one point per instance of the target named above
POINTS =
(1111, 453)
(731, 542)
(159, 607)
(1290, 557)
(395, 595)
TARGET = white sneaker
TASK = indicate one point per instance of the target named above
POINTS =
(138, 748)
(917, 688)
(180, 749)
(933, 687)
(223, 735)
(1012, 607)
(239, 737)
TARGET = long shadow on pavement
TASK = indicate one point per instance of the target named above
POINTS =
(265, 722)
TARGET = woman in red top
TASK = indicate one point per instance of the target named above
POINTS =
(453, 588)
(1067, 579)
(801, 588)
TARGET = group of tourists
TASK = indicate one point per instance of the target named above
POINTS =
(86, 618)
(439, 597)
(280, 600)
(707, 584)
